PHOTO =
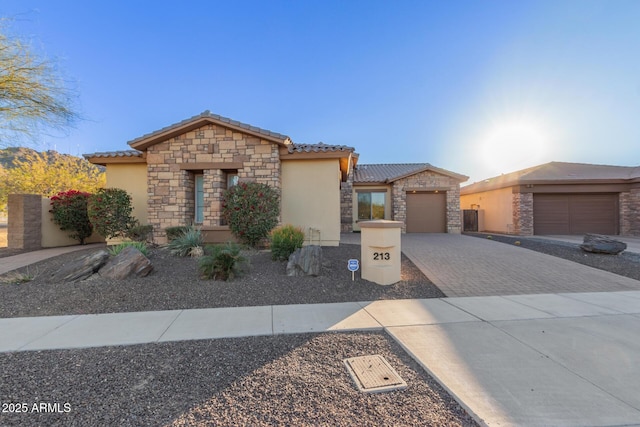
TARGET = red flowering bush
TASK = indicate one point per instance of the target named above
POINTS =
(251, 209)
(110, 212)
(69, 209)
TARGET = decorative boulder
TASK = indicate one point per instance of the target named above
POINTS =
(130, 261)
(80, 268)
(306, 261)
(602, 244)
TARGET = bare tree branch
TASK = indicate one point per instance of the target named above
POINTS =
(33, 96)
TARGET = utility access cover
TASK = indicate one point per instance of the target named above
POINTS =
(374, 374)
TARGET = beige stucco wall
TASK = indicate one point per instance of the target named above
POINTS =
(133, 179)
(497, 207)
(52, 236)
(387, 201)
(311, 198)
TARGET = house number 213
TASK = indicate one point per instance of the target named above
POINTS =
(381, 256)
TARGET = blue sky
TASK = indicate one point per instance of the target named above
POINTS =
(476, 87)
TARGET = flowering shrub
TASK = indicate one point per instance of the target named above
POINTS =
(69, 209)
(285, 240)
(110, 212)
(251, 209)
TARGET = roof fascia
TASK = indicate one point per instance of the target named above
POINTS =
(461, 178)
(103, 161)
(143, 143)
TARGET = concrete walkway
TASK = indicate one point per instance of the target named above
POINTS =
(526, 360)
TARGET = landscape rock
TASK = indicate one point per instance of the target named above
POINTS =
(602, 244)
(306, 261)
(80, 268)
(130, 261)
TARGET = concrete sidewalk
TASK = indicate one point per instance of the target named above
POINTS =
(534, 360)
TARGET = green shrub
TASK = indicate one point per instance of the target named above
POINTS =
(110, 212)
(175, 232)
(251, 209)
(222, 262)
(141, 246)
(69, 209)
(140, 233)
(285, 240)
(189, 241)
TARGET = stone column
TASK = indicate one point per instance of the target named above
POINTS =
(214, 186)
(25, 221)
(523, 214)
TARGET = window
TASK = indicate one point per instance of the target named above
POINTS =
(199, 214)
(371, 205)
(232, 179)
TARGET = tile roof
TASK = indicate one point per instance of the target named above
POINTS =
(113, 154)
(557, 172)
(208, 115)
(393, 171)
(317, 148)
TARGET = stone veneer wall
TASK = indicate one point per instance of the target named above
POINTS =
(171, 200)
(25, 221)
(522, 214)
(630, 212)
(346, 204)
(427, 181)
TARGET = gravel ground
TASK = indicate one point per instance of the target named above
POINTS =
(174, 284)
(280, 380)
(625, 264)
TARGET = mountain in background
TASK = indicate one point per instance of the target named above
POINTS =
(8, 156)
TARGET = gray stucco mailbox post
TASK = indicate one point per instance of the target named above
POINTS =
(380, 251)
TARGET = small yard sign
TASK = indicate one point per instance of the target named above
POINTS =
(353, 265)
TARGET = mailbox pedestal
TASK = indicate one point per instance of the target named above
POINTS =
(380, 251)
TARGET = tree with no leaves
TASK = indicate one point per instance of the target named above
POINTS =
(33, 96)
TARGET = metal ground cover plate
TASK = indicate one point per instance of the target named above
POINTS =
(374, 374)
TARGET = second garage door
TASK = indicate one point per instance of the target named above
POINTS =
(575, 213)
(427, 212)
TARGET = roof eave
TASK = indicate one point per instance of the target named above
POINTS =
(456, 176)
(147, 141)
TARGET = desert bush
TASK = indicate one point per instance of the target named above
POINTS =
(17, 277)
(141, 246)
(251, 209)
(175, 232)
(222, 262)
(110, 212)
(189, 241)
(285, 240)
(69, 209)
(140, 233)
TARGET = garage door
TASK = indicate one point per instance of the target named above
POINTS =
(426, 213)
(575, 213)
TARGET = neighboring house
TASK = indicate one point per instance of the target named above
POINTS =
(425, 198)
(177, 175)
(559, 198)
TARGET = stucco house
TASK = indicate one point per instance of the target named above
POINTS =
(558, 198)
(177, 174)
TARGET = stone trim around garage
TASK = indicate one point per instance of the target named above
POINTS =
(630, 212)
(522, 204)
(427, 181)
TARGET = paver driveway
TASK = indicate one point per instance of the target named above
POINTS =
(468, 266)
